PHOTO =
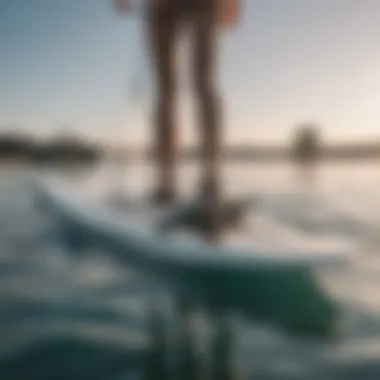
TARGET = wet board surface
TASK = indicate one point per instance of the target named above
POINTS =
(268, 233)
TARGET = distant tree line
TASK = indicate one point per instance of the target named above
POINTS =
(305, 146)
(58, 150)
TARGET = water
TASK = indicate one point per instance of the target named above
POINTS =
(68, 316)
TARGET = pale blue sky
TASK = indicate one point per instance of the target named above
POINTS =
(69, 62)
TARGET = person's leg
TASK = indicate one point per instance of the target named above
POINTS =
(205, 41)
(162, 34)
(204, 29)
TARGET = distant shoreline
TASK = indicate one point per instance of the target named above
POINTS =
(61, 150)
(23, 162)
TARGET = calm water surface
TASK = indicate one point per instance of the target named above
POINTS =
(64, 315)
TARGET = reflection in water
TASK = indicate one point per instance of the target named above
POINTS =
(307, 176)
(70, 358)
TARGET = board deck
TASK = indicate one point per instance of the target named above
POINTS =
(264, 237)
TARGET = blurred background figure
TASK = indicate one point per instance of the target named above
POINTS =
(307, 153)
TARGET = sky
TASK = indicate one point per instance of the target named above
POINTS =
(73, 64)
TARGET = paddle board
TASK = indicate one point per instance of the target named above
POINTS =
(265, 278)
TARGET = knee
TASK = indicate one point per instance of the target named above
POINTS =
(166, 93)
(204, 90)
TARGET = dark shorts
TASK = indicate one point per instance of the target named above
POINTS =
(179, 9)
(165, 21)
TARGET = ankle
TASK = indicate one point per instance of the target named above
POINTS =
(210, 188)
(163, 196)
